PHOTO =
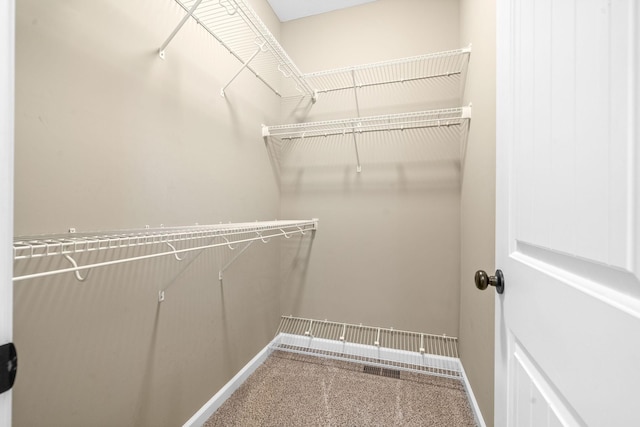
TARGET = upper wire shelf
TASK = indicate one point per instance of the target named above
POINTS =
(434, 65)
(238, 28)
(200, 237)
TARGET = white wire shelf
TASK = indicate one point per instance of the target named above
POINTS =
(240, 30)
(411, 351)
(388, 122)
(354, 128)
(199, 237)
(429, 66)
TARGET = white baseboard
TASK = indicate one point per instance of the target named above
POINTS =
(373, 352)
(472, 399)
(200, 417)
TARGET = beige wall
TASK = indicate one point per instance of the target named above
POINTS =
(108, 136)
(387, 251)
(477, 25)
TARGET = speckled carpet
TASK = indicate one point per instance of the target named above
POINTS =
(298, 390)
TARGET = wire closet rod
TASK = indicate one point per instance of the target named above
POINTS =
(53, 245)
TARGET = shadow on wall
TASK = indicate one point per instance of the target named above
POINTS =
(295, 265)
(106, 348)
(415, 159)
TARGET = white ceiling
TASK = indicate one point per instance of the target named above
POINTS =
(287, 10)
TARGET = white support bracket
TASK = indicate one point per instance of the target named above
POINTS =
(262, 47)
(466, 112)
(232, 260)
(178, 28)
(355, 144)
(355, 91)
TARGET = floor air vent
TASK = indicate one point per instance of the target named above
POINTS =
(374, 370)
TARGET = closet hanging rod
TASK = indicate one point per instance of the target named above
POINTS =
(401, 122)
(27, 248)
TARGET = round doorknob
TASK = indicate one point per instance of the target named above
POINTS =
(483, 280)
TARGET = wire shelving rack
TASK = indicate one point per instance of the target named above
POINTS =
(387, 347)
(451, 63)
(353, 128)
(196, 238)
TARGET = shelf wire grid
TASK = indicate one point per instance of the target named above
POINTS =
(237, 27)
(434, 65)
(199, 237)
(389, 122)
(404, 350)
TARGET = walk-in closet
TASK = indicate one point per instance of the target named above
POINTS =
(207, 188)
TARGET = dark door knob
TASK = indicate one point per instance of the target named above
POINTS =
(483, 280)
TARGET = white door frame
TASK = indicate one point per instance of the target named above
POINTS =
(7, 96)
(503, 112)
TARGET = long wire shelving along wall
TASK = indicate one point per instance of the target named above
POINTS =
(446, 64)
(238, 28)
(353, 128)
(169, 241)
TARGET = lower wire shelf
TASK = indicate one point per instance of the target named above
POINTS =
(380, 347)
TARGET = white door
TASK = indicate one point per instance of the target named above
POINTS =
(7, 42)
(568, 213)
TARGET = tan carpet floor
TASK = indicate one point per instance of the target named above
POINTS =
(298, 390)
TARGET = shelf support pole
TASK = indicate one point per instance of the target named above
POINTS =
(232, 260)
(178, 28)
(355, 91)
(245, 65)
(355, 144)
